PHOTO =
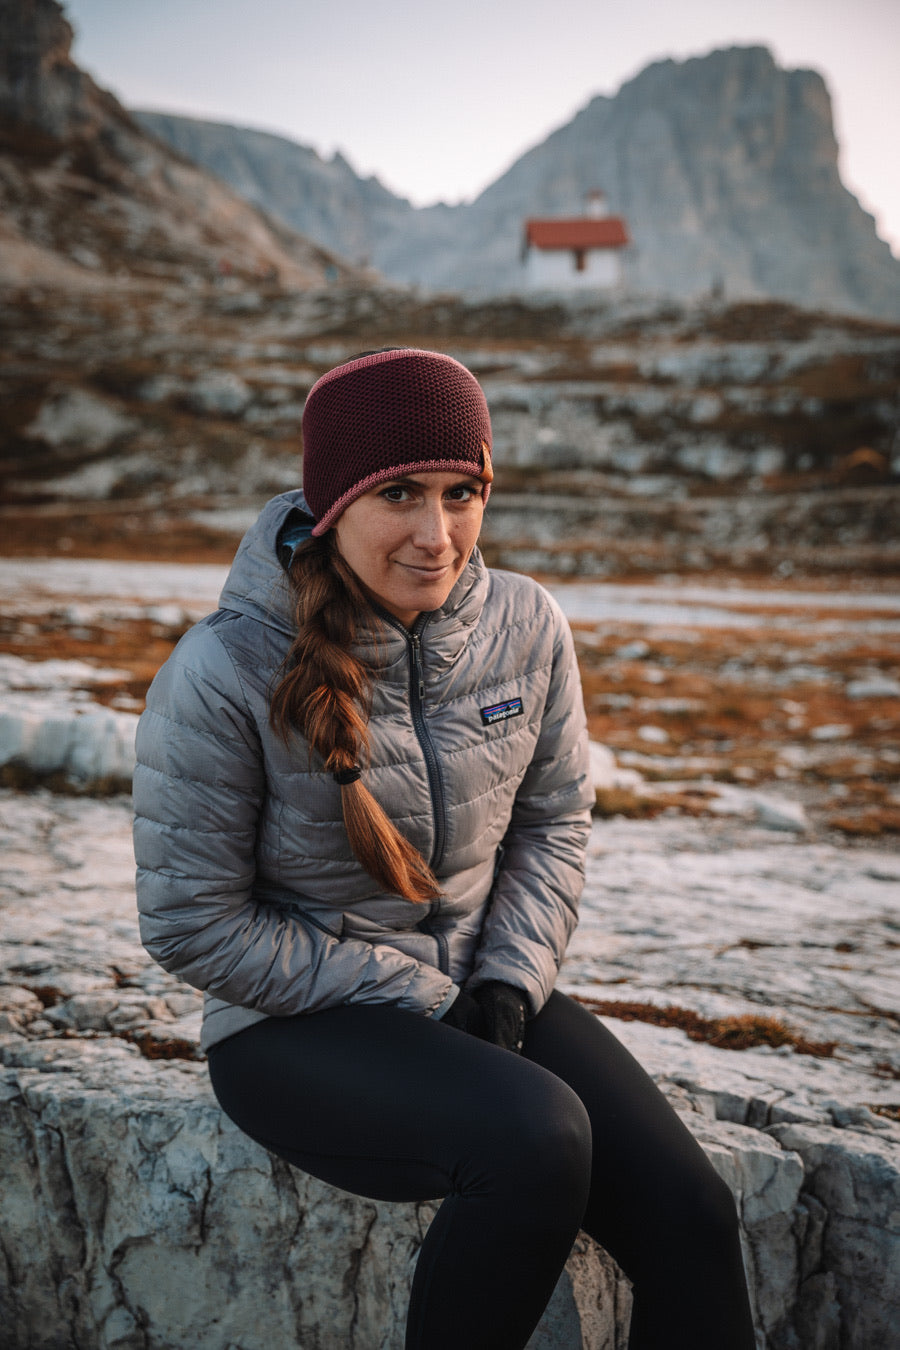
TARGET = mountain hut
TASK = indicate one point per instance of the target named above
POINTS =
(575, 253)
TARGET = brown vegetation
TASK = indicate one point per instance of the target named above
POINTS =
(749, 706)
(728, 1033)
(156, 1047)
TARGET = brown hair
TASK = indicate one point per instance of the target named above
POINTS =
(325, 692)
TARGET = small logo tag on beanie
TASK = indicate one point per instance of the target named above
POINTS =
(499, 712)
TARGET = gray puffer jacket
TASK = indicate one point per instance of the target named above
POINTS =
(247, 887)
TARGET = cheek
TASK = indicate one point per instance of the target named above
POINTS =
(471, 529)
(361, 542)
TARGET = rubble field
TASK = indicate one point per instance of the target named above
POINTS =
(631, 438)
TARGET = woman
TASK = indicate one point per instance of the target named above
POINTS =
(362, 810)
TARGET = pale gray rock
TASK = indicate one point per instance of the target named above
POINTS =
(85, 743)
(766, 1182)
(856, 1181)
(707, 363)
(49, 724)
(220, 392)
(726, 919)
(52, 676)
(78, 419)
(135, 1215)
(874, 686)
(95, 481)
(831, 731)
(718, 462)
(161, 388)
(606, 773)
(769, 810)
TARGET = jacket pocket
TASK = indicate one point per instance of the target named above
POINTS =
(331, 922)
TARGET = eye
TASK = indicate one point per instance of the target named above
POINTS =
(463, 492)
(395, 492)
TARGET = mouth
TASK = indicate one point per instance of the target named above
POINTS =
(427, 573)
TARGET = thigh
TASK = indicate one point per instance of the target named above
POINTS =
(646, 1163)
(382, 1102)
(619, 1094)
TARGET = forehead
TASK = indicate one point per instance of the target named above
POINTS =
(438, 481)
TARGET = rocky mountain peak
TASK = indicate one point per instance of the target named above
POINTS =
(85, 192)
(725, 167)
(41, 88)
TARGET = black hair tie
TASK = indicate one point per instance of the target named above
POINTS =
(344, 777)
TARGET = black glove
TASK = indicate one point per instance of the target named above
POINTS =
(504, 1010)
(465, 1014)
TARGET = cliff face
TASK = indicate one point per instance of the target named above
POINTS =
(323, 199)
(85, 192)
(40, 86)
(726, 167)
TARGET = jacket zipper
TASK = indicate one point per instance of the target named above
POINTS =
(423, 735)
(432, 767)
(435, 782)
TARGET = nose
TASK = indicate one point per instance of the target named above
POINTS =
(432, 532)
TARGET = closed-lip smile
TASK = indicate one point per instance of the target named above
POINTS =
(408, 541)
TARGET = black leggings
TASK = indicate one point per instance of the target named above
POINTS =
(526, 1149)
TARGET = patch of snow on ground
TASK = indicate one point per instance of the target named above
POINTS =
(50, 725)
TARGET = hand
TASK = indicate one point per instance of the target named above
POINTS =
(465, 1014)
(503, 1009)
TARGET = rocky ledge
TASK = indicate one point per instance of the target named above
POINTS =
(135, 1215)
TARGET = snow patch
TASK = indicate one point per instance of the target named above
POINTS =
(50, 725)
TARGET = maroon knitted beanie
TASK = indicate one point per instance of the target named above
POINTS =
(382, 416)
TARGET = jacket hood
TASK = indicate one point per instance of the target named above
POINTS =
(257, 585)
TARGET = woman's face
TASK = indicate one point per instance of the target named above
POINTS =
(409, 539)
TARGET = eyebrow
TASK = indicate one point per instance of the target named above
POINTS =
(465, 480)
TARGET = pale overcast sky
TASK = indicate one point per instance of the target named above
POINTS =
(439, 99)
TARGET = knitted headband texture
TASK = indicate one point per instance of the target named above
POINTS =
(382, 416)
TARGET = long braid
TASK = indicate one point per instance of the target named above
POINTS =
(326, 693)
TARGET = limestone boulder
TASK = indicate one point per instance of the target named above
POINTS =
(851, 1191)
(136, 1215)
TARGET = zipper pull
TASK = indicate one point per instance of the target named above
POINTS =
(417, 663)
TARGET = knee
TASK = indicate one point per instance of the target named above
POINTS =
(548, 1137)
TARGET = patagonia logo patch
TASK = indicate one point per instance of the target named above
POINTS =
(499, 712)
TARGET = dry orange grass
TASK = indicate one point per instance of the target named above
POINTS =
(728, 1033)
